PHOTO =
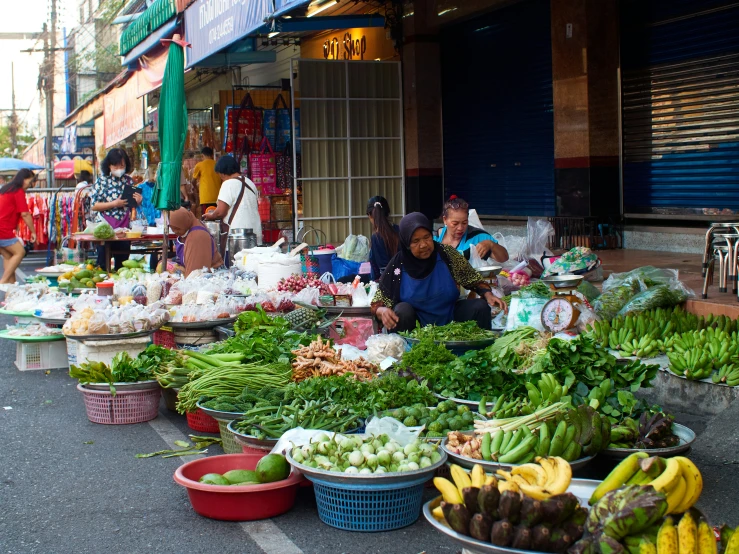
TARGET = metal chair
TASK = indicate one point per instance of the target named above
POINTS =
(713, 230)
(723, 253)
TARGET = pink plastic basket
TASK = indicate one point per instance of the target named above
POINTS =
(164, 337)
(202, 422)
(125, 407)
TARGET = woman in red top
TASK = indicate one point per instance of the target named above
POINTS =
(13, 206)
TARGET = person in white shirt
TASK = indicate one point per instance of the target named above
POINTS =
(237, 206)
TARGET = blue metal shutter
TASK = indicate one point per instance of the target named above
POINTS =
(680, 86)
(497, 111)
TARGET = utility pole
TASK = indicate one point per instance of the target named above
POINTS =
(13, 127)
(50, 55)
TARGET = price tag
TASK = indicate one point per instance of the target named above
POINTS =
(365, 268)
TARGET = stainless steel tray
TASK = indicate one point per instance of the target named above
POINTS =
(563, 281)
(582, 488)
(250, 439)
(105, 338)
(420, 475)
(201, 324)
(51, 320)
(685, 434)
(228, 416)
(346, 310)
(139, 385)
(469, 463)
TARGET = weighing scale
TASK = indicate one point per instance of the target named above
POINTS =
(561, 313)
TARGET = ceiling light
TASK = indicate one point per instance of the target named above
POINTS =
(272, 35)
(323, 7)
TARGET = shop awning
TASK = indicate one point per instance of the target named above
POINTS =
(285, 6)
(155, 16)
(152, 41)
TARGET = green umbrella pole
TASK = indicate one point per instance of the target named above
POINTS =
(165, 242)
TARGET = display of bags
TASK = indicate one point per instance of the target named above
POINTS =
(285, 168)
(263, 169)
(277, 124)
(243, 128)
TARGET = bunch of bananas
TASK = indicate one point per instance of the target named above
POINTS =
(688, 535)
(645, 347)
(502, 408)
(695, 354)
(501, 512)
(677, 478)
(546, 391)
(651, 431)
(728, 375)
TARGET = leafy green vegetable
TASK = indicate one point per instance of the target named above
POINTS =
(427, 359)
(103, 231)
(455, 331)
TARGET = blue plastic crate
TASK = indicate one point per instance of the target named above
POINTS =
(368, 508)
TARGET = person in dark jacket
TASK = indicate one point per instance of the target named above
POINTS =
(385, 240)
(421, 283)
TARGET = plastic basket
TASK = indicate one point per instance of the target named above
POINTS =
(124, 407)
(369, 508)
(230, 446)
(164, 337)
(41, 355)
(202, 422)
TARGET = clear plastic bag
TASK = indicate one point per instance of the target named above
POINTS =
(476, 260)
(658, 296)
(380, 347)
(356, 248)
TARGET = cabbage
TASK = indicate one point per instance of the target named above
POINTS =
(103, 231)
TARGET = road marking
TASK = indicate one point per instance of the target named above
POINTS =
(269, 537)
(265, 533)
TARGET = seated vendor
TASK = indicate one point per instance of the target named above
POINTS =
(421, 283)
(458, 233)
(196, 249)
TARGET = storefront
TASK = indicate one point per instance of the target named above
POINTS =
(498, 111)
(680, 91)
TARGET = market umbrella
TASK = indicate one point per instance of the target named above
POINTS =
(172, 131)
(14, 164)
(66, 169)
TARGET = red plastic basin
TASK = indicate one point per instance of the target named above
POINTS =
(236, 503)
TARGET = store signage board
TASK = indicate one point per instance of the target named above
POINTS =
(124, 112)
(364, 43)
(211, 25)
(349, 48)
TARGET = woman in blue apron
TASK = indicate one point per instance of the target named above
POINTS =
(195, 248)
(421, 283)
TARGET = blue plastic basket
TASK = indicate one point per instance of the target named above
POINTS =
(368, 508)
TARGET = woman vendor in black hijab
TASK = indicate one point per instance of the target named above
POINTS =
(421, 283)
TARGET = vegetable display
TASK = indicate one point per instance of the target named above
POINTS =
(272, 421)
(319, 359)
(270, 469)
(651, 431)
(452, 332)
(445, 417)
(123, 369)
(359, 455)
(296, 283)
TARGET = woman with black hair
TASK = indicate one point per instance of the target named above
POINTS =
(385, 240)
(109, 202)
(13, 207)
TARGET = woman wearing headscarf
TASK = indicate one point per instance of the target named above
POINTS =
(195, 247)
(421, 283)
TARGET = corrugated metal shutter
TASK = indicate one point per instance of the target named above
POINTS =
(498, 113)
(680, 86)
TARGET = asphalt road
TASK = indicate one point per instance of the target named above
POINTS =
(71, 486)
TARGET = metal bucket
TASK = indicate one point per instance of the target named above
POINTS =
(214, 228)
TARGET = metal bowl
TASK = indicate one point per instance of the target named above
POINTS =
(685, 434)
(460, 347)
(563, 281)
(490, 467)
(340, 478)
(217, 414)
(201, 324)
(490, 270)
(582, 488)
(250, 440)
(105, 338)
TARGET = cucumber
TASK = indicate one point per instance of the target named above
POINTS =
(131, 264)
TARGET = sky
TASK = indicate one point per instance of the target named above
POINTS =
(28, 16)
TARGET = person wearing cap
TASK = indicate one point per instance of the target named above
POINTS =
(458, 232)
(420, 284)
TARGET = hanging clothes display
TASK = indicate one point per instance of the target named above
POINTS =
(53, 215)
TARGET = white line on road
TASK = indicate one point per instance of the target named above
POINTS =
(265, 533)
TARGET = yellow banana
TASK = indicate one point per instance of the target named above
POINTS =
(733, 546)
(460, 478)
(477, 476)
(505, 474)
(520, 480)
(667, 538)
(448, 490)
(546, 463)
(706, 540)
(533, 473)
(618, 477)
(693, 481)
(647, 547)
(670, 477)
(537, 493)
(676, 496)
(687, 535)
(563, 473)
(491, 480)
(439, 515)
(508, 486)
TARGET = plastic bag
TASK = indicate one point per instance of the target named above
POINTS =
(658, 296)
(525, 312)
(343, 268)
(515, 247)
(360, 298)
(356, 248)
(309, 295)
(394, 429)
(349, 352)
(355, 331)
(476, 260)
(576, 261)
(589, 291)
(380, 347)
(474, 219)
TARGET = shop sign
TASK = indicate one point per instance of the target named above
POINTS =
(151, 71)
(124, 112)
(69, 141)
(211, 25)
(349, 48)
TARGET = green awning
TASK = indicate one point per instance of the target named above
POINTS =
(154, 17)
